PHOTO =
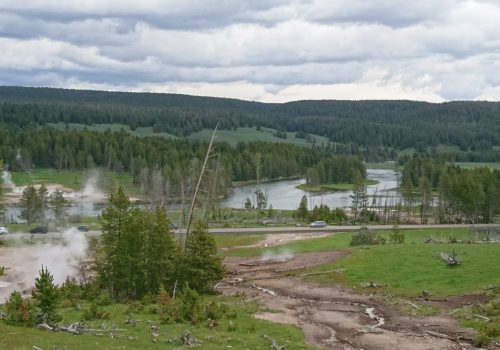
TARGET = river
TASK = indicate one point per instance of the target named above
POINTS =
(284, 194)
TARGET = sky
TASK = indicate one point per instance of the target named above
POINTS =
(262, 50)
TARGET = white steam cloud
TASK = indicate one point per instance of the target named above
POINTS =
(24, 262)
(282, 256)
(7, 181)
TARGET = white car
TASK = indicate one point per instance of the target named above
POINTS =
(317, 224)
(3, 230)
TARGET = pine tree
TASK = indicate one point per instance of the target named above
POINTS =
(161, 251)
(46, 297)
(29, 205)
(19, 311)
(42, 201)
(112, 267)
(201, 268)
(57, 203)
(302, 210)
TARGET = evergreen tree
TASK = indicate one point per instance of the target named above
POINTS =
(201, 268)
(161, 251)
(112, 270)
(302, 211)
(42, 201)
(30, 210)
(46, 297)
(57, 203)
(19, 311)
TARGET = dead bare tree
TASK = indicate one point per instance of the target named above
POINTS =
(202, 171)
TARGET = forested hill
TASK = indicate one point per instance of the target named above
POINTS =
(470, 127)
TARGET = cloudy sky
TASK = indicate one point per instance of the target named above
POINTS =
(265, 50)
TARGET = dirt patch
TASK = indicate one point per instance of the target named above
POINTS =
(335, 317)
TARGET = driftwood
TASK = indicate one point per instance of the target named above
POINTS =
(450, 259)
(188, 340)
(274, 343)
(414, 305)
(487, 319)
(321, 272)
(439, 335)
(372, 284)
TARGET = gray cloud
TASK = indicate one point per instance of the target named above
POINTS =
(269, 50)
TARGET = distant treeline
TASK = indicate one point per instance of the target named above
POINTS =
(336, 169)
(463, 195)
(24, 148)
(373, 129)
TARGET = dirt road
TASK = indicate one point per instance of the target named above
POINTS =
(335, 317)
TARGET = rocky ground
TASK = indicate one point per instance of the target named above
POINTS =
(335, 317)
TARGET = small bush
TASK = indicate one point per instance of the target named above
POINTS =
(396, 236)
(94, 312)
(19, 312)
(366, 237)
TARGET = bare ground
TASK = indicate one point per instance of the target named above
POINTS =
(336, 317)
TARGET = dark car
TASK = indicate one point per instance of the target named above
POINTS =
(39, 229)
(173, 226)
(83, 228)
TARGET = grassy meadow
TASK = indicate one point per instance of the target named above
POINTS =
(237, 330)
(407, 268)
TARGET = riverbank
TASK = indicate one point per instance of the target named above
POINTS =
(333, 187)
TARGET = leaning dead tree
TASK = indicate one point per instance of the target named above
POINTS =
(193, 203)
(450, 259)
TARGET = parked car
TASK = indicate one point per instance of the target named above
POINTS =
(3, 230)
(319, 223)
(173, 226)
(39, 229)
(83, 228)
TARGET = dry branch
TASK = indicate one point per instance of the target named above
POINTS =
(274, 343)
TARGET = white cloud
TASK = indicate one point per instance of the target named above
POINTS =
(263, 50)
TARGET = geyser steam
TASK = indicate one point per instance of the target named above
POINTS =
(24, 262)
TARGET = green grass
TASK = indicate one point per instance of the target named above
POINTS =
(245, 332)
(228, 241)
(407, 268)
(75, 179)
(141, 132)
(389, 165)
(251, 134)
(410, 268)
(479, 165)
(333, 187)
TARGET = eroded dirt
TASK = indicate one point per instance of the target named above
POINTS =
(336, 317)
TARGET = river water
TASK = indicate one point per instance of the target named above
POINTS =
(281, 194)
(285, 195)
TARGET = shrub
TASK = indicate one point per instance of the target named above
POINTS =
(366, 237)
(19, 312)
(397, 236)
(94, 312)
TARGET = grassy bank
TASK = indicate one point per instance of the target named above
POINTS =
(333, 187)
(239, 330)
(76, 179)
(407, 268)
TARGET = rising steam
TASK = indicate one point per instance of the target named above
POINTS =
(24, 262)
(282, 256)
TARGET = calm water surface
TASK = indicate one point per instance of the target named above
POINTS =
(285, 195)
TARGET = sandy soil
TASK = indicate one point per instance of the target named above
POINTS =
(336, 317)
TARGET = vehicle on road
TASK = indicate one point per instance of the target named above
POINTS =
(3, 230)
(39, 229)
(83, 228)
(173, 226)
(318, 223)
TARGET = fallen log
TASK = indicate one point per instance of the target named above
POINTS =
(439, 335)
(321, 272)
(414, 305)
(274, 343)
(487, 319)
